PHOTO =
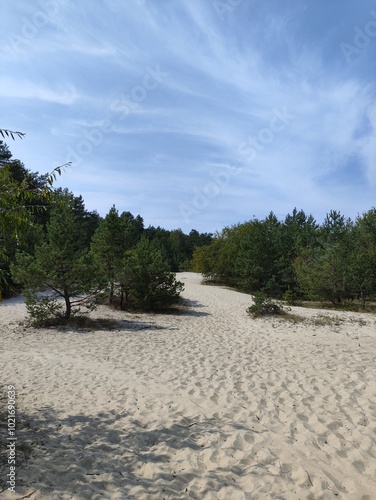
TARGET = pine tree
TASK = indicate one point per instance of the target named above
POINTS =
(148, 279)
(59, 264)
(108, 248)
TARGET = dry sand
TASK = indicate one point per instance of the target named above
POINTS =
(205, 404)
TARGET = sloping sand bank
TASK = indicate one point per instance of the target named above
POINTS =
(202, 404)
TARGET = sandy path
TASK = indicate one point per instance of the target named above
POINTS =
(206, 404)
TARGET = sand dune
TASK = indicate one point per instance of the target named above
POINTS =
(207, 403)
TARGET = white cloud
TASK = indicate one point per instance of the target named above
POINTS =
(27, 89)
(226, 79)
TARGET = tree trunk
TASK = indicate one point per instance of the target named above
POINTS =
(111, 297)
(68, 306)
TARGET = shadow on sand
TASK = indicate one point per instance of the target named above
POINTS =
(187, 308)
(107, 453)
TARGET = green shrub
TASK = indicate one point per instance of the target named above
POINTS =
(42, 310)
(264, 306)
(147, 281)
(291, 298)
(49, 311)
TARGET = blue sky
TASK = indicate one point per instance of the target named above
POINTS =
(196, 113)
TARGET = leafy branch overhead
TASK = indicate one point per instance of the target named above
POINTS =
(52, 176)
(10, 133)
(22, 196)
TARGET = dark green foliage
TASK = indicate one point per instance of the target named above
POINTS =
(364, 255)
(133, 229)
(24, 198)
(333, 262)
(148, 282)
(13, 212)
(264, 306)
(343, 268)
(291, 298)
(88, 221)
(109, 244)
(176, 247)
(257, 256)
(43, 310)
(216, 261)
(335, 227)
(20, 199)
(60, 265)
(205, 260)
(294, 259)
(326, 274)
(47, 249)
(246, 256)
(297, 232)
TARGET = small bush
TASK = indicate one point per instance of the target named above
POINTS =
(323, 320)
(149, 284)
(263, 306)
(42, 310)
(289, 297)
(49, 311)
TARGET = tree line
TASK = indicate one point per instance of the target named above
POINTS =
(297, 258)
(49, 241)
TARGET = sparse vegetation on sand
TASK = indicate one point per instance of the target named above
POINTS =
(264, 306)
